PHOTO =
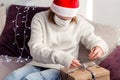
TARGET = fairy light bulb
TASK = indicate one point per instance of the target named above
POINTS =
(1, 58)
(7, 59)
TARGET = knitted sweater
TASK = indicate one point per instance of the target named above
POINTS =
(53, 46)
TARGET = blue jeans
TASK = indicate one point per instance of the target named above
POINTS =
(34, 73)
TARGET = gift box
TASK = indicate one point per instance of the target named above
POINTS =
(90, 73)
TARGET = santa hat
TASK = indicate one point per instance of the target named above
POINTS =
(66, 8)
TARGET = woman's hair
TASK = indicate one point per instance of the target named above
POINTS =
(52, 14)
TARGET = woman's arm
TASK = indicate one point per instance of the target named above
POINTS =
(94, 43)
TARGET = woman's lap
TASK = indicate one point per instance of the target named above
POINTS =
(33, 73)
(49, 74)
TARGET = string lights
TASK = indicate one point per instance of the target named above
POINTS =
(5, 58)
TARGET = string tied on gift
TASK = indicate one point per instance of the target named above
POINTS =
(66, 75)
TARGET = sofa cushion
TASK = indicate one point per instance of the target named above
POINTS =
(112, 63)
(2, 16)
(16, 34)
(110, 34)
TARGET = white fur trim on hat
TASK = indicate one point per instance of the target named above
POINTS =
(63, 11)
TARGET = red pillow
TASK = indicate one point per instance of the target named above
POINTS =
(16, 34)
(112, 63)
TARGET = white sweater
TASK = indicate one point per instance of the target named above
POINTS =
(53, 46)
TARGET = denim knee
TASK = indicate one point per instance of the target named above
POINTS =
(20, 73)
(50, 74)
(12, 76)
(34, 76)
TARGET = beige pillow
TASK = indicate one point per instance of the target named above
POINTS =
(2, 16)
(110, 34)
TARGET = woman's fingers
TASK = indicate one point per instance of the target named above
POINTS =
(91, 52)
(75, 63)
(94, 56)
(95, 53)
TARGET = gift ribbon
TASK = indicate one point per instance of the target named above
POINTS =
(84, 66)
(92, 74)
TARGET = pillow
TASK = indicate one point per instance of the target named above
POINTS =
(2, 16)
(110, 34)
(112, 63)
(119, 42)
(16, 34)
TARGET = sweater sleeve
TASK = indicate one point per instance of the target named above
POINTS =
(90, 40)
(40, 51)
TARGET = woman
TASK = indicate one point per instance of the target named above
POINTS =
(54, 42)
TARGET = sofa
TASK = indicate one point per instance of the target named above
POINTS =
(15, 34)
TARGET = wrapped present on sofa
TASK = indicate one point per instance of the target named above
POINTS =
(88, 71)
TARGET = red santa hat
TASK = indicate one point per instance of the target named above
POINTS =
(66, 8)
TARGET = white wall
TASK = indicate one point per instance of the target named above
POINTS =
(106, 12)
(83, 7)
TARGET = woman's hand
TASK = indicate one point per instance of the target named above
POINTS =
(95, 53)
(75, 63)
